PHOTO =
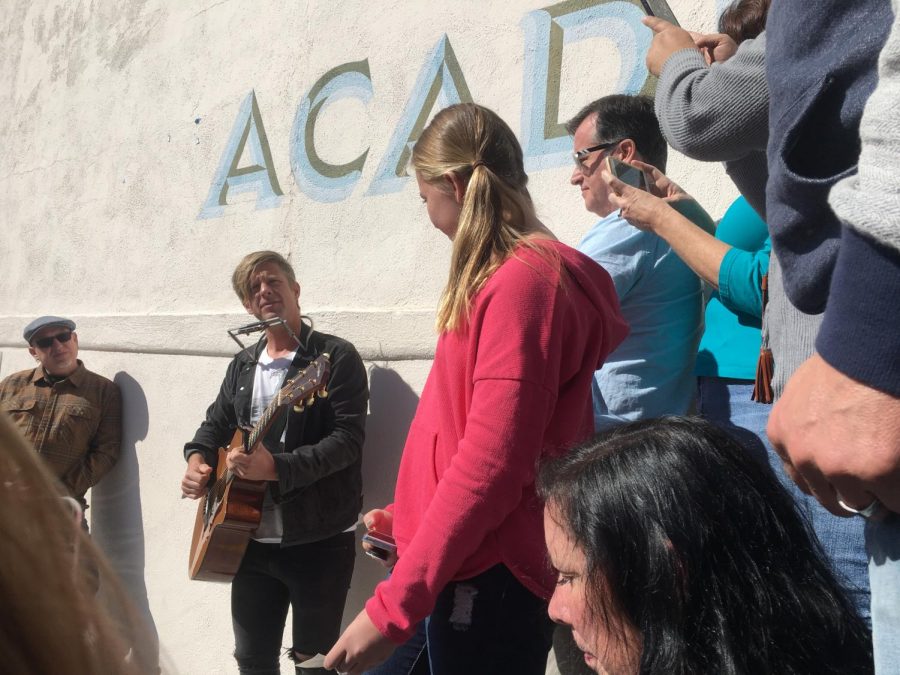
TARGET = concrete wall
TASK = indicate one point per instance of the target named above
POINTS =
(148, 145)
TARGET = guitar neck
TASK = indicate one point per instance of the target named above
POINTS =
(311, 380)
(265, 421)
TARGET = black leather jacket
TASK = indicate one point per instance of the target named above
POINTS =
(319, 467)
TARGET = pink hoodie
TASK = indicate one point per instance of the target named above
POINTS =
(509, 388)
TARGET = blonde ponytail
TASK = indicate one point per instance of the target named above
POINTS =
(477, 146)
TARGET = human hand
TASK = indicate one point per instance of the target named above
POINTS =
(196, 476)
(659, 184)
(638, 207)
(362, 646)
(257, 465)
(645, 209)
(667, 40)
(716, 47)
(380, 520)
(839, 438)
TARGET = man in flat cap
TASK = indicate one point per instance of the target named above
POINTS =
(71, 416)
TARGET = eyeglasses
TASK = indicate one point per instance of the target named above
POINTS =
(579, 155)
(47, 342)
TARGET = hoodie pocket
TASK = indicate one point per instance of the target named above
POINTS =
(421, 445)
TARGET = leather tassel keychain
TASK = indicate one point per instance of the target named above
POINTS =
(765, 365)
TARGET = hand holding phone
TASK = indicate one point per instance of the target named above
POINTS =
(661, 9)
(668, 38)
(627, 173)
(380, 546)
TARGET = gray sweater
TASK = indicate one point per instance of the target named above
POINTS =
(869, 201)
(720, 113)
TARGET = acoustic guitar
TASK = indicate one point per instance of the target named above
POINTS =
(231, 509)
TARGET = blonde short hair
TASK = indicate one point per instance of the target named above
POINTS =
(240, 279)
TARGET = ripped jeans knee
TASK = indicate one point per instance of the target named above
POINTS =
(254, 665)
(297, 657)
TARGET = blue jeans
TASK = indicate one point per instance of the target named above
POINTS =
(727, 403)
(490, 623)
(883, 542)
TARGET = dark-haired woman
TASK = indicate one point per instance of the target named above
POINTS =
(679, 554)
(524, 321)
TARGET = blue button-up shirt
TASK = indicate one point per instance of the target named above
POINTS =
(652, 372)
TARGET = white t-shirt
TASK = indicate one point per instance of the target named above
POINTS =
(268, 378)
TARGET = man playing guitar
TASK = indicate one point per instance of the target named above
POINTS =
(301, 554)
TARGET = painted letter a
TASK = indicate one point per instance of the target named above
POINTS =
(257, 176)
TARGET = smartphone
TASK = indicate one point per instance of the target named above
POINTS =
(383, 545)
(661, 9)
(627, 173)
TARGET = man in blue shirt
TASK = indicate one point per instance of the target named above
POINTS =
(652, 372)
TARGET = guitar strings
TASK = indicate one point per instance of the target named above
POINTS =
(221, 484)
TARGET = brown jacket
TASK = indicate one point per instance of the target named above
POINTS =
(75, 424)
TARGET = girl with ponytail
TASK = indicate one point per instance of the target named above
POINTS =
(523, 323)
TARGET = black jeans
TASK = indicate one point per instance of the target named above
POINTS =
(312, 578)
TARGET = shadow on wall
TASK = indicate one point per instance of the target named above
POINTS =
(391, 409)
(117, 525)
(392, 406)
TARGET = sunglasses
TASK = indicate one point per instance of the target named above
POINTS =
(47, 342)
(580, 155)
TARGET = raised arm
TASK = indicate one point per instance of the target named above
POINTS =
(699, 249)
(718, 112)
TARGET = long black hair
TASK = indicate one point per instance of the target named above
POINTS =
(696, 544)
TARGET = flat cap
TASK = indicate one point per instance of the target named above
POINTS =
(43, 322)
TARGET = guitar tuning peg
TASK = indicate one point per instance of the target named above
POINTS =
(311, 400)
(299, 408)
(323, 393)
